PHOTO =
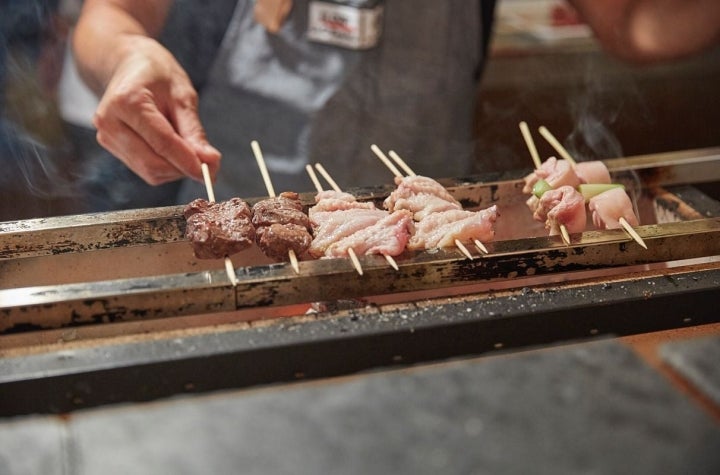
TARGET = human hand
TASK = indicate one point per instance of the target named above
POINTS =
(148, 116)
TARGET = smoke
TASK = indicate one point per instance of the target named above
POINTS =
(34, 148)
(32, 167)
(606, 96)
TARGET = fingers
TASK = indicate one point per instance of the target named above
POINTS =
(133, 151)
(132, 127)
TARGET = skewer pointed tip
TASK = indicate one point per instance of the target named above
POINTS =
(391, 261)
(565, 235)
(633, 234)
(463, 249)
(355, 261)
(481, 246)
(230, 270)
(294, 261)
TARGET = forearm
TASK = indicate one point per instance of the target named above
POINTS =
(106, 32)
(652, 30)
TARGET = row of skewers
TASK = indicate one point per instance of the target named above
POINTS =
(419, 214)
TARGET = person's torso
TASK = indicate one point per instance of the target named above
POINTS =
(308, 102)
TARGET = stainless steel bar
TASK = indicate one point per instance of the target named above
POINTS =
(327, 279)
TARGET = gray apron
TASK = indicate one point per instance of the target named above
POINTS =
(306, 102)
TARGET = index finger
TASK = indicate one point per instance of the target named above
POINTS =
(143, 116)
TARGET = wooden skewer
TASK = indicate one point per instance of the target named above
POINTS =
(530, 144)
(271, 192)
(263, 168)
(633, 234)
(565, 235)
(327, 177)
(313, 178)
(481, 246)
(401, 163)
(562, 151)
(229, 269)
(385, 160)
(208, 182)
(463, 249)
(355, 261)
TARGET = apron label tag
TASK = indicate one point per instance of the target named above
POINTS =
(352, 27)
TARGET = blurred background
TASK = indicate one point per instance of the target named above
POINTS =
(545, 68)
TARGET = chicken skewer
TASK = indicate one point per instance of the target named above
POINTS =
(379, 221)
(271, 192)
(401, 163)
(579, 168)
(353, 257)
(229, 269)
(538, 165)
(440, 219)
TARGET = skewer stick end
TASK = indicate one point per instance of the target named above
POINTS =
(463, 249)
(481, 246)
(230, 270)
(355, 261)
(391, 261)
(525, 130)
(208, 181)
(294, 261)
(633, 234)
(565, 235)
(559, 148)
(386, 161)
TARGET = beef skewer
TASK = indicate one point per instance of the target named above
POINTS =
(381, 232)
(440, 219)
(196, 208)
(281, 225)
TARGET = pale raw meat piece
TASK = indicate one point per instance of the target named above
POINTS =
(593, 172)
(332, 226)
(608, 207)
(337, 200)
(388, 236)
(443, 228)
(564, 205)
(410, 186)
(556, 172)
(423, 205)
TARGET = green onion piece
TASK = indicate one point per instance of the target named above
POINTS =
(541, 187)
(589, 190)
